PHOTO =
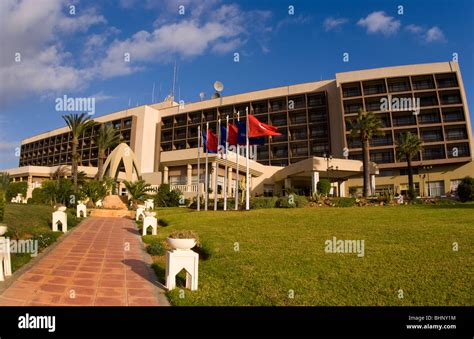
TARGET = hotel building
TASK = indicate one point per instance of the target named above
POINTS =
(312, 118)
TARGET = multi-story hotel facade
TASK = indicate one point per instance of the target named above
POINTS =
(315, 141)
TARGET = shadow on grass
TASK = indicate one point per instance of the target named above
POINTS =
(450, 206)
(160, 272)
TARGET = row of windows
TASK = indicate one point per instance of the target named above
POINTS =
(291, 103)
(400, 84)
(433, 152)
(404, 102)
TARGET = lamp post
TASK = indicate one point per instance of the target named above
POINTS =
(328, 158)
(427, 168)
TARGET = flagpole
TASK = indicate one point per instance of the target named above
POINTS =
(199, 170)
(226, 156)
(206, 180)
(247, 176)
(217, 165)
(237, 168)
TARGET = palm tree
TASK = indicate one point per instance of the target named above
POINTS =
(364, 127)
(107, 137)
(60, 173)
(408, 146)
(138, 190)
(78, 124)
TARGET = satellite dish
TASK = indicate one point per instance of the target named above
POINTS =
(202, 95)
(218, 86)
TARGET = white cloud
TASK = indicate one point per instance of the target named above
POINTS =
(435, 34)
(33, 30)
(332, 23)
(379, 22)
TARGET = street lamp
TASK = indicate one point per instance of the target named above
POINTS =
(328, 158)
(427, 168)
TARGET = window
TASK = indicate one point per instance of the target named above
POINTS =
(453, 114)
(268, 190)
(456, 133)
(398, 84)
(435, 188)
(177, 180)
(446, 80)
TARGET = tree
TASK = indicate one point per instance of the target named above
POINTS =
(364, 127)
(324, 186)
(466, 189)
(78, 124)
(15, 188)
(107, 137)
(94, 190)
(165, 197)
(138, 190)
(408, 146)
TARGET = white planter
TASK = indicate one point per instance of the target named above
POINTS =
(150, 214)
(3, 229)
(181, 244)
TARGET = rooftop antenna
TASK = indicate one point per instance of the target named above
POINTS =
(174, 79)
(202, 95)
(153, 94)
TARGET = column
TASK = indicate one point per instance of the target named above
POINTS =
(314, 182)
(165, 175)
(341, 188)
(189, 177)
(229, 182)
(372, 184)
(29, 191)
(287, 183)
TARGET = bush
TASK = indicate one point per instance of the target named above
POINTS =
(263, 202)
(466, 189)
(285, 202)
(71, 219)
(15, 188)
(46, 238)
(39, 196)
(155, 248)
(163, 222)
(301, 201)
(165, 197)
(324, 186)
(94, 189)
(344, 202)
(2, 206)
(352, 191)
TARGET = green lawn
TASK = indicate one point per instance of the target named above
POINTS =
(31, 221)
(282, 250)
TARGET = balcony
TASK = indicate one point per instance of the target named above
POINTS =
(433, 152)
(446, 80)
(456, 133)
(422, 82)
(458, 150)
(432, 135)
(453, 115)
(374, 87)
(398, 84)
(450, 98)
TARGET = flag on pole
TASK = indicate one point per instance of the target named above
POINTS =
(226, 152)
(242, 135)
(217, 164)
(198, 198)
(209, 142)
(206, 179)
(260, 129)
(237, 170)
(247, 149)
(232, 138)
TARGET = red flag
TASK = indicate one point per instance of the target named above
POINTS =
(260, 129)
(211, 142)
(233, 132)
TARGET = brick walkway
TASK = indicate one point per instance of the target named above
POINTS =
(90, 267)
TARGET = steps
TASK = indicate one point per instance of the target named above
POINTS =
(105, 213)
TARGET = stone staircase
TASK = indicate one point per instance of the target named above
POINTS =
(113, 207)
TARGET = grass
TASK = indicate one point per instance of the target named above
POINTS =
(31, 221)
(281, 253)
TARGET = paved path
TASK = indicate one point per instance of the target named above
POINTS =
(90, 267)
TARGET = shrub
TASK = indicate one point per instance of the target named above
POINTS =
(324, 186)
(163, 222)
(285, 202)
(39, 197)
(204, 250)
(301, 201)
(15, 188)
(71, 219)
(94, 189)
(352, 191)
(59, 191)
(344, 202)
(46, 238)
(2, 206)
(185, 235)
(165, 197)
(155, 248)
(466, 189)
(263, 202)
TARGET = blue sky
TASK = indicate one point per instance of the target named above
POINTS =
(81, 54)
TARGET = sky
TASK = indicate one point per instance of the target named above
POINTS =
(117, 51)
